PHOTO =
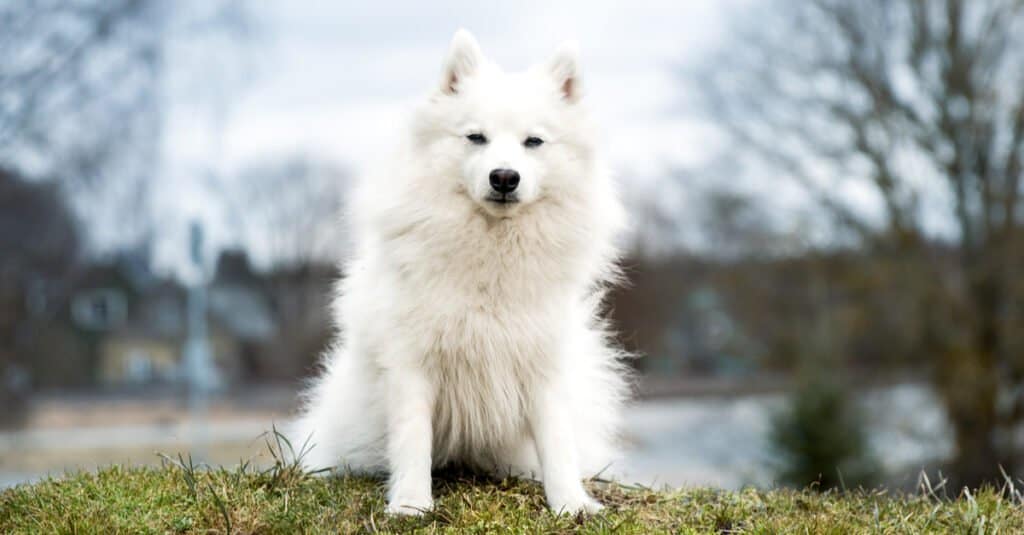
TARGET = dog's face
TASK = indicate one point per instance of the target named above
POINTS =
(507, 139)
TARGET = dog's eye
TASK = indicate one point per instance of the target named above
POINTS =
(477, 139)
(533, 142)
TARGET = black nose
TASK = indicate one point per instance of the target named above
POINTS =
(504, 180)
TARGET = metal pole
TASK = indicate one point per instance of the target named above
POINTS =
(200, 373)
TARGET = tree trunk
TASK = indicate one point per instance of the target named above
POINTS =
(978, 455)
(972, 387)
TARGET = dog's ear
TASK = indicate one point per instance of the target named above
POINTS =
(464, 58)
(565, 68)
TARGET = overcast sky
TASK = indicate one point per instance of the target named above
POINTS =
(335, 80)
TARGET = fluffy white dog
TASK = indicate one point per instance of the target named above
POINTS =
(470, 314)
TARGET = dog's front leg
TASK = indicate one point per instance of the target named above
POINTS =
(556, 449)
(410, 402)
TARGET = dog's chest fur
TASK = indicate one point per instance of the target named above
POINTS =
(483, 391)
(494, 332)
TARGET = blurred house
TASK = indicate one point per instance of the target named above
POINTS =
(144, 343)
(115, 323)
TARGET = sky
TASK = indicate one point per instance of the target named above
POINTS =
(335, 81)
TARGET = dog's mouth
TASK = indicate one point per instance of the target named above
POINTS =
(503, 198)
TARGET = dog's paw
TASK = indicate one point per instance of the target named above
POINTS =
(575, 505)
(409, 506)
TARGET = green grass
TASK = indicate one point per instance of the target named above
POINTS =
(154, 500)
(183, 498)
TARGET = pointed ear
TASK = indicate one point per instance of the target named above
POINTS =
(565, 69)
(464, 58)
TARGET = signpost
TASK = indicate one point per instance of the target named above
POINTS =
(200, 373)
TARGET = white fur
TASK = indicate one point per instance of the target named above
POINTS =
(470, 331)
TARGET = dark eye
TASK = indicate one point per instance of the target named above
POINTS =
(477, 139)
(533, 142)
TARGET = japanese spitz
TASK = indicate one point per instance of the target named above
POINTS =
(470, 315)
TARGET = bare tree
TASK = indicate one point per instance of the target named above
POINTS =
(288, 212)
(78, 92)
(921, 104)
(82, 96)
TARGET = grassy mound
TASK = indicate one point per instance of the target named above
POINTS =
(183, 498)
(180, 499)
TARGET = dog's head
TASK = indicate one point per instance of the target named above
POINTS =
(506, 140)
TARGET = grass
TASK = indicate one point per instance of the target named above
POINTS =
(181, 497)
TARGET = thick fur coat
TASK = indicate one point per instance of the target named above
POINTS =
(469, 321)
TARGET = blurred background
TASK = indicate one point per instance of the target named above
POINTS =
(825, 262)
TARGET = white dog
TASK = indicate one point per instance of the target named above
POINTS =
(469, 316)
